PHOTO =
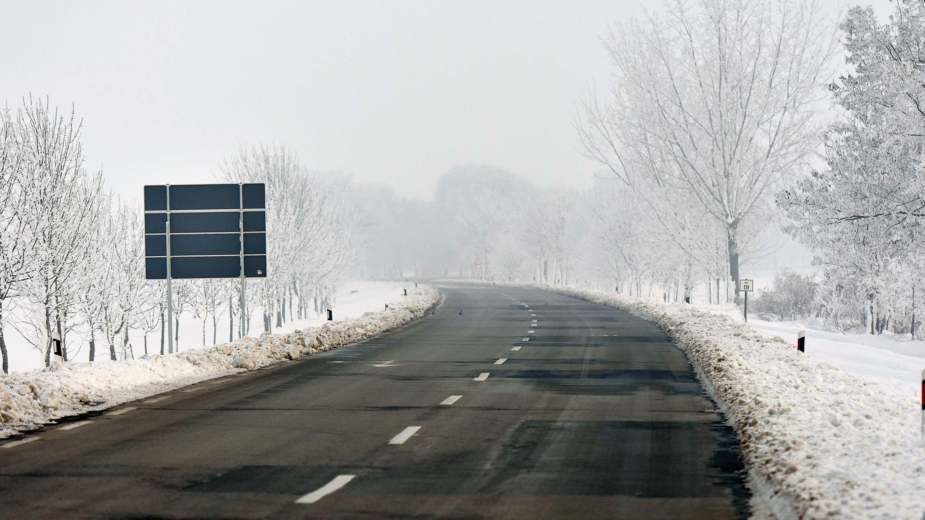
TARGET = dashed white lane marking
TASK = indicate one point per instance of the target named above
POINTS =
(500, 361)
(405, 434)
(191, 390)
(122, 411)
(515, 348)
(156, 399)
(74, 425)
(385, 364)
(20, 442)
(533, 315)
(531, 331)
(481, 377)
(337, 362)
(451, 400)
(325, 490)
(525, 339)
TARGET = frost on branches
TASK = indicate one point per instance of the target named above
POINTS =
(862, 215)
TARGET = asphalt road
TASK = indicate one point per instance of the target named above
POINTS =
(593, 414)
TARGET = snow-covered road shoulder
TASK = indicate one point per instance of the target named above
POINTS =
(819, 442)
(31, 399)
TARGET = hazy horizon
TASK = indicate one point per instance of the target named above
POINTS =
(386, 93)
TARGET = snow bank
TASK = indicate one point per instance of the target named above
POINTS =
(31, 399)
(819, 442)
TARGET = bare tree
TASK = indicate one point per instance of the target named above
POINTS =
(714, 100)
(16, 237)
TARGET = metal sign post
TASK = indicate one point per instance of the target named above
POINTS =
(198, 231)
(169, 289)
(747, 287)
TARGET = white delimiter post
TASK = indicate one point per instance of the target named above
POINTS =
(169, 291)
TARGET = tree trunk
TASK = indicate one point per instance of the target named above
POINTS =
(146, 344)
(61, 335)
(3, 354)
(47, 335)
(732, 244)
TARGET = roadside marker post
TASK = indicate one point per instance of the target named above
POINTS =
(923, 404)
(801, 341)
(330, 315)
(748, 286)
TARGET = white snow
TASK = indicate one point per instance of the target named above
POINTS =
(819, 441)
(352, 299)
(29, 400)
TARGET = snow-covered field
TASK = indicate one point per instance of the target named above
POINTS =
(885, 358)
(819, 442)
(352, 299)
(31, 399)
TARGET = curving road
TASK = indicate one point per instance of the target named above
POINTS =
(470, 413)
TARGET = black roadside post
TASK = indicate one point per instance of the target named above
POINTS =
(330, 315)
(747, 287)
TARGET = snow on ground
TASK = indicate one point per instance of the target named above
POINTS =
(885, 358)
(29, 400)
(352, 299)
(820, 442)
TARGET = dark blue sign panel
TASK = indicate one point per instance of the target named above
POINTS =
(206, 235)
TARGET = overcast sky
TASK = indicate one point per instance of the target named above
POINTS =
(392, 92)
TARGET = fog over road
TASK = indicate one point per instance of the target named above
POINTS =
(506, 403)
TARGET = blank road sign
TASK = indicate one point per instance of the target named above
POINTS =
(215, 229)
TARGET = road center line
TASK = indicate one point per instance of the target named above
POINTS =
(500, 361)
(20, 442)
(405, 434)
(74, 425)
(122, 411)
(481, 377)
(325, 490)
(451, 400)
(516, 348)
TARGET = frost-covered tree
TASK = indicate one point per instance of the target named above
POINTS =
(16, 234)
(862, 215)
(712, 103)
(308, 241)
(60, 204)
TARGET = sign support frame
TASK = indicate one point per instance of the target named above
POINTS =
(243, 278)
(170, 345)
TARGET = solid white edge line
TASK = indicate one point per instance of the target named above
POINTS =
(20, 442)
(156, 399)
(122, 411)
(500, 361)
(335, 484)
(516, 348)
(451, 400)
(482, 376)
(74, 425)
(404, 435)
